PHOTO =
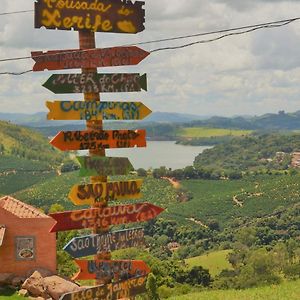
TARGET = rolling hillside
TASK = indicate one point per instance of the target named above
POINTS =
(22, 142)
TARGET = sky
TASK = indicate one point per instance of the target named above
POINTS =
(248, 74)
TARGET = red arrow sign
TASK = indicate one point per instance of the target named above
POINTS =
(91, 58)
(103, 217)
(108, 270)
(99, 139)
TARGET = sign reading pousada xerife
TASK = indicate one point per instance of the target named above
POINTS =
(90, 15)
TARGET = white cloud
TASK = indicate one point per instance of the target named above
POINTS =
(247, 74)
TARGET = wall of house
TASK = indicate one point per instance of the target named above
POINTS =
(45, 243)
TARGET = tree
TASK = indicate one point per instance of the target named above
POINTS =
(141, 172)
(152, 287)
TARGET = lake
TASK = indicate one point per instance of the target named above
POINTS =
(157, 154)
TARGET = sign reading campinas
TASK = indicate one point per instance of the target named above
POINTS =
(90, 15)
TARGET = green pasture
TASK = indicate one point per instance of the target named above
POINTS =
(285, 291)
(215, 262)
(200, 132)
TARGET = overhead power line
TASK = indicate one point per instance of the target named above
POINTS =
(16, 12)
(250, 28)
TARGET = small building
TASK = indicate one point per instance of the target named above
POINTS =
(295, 160)
(25, 240)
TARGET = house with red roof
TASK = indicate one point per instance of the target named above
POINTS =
(25, 240)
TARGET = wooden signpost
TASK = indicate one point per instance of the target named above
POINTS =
(104, 217)
(93, 15)
(96, 83)
(88, 17)
(99, 139)
(95, 110)
(110, 269)
(91, 58)
(106, 242)
(89, 194)
(112, 291)
(97, 166)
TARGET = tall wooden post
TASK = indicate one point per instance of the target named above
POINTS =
(87, 41)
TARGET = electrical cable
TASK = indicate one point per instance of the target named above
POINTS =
(274, 24)
(16, 12)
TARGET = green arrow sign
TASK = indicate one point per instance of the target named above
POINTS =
(104, 166)
(96, 83)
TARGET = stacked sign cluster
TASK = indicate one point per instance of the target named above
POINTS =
(122, 278)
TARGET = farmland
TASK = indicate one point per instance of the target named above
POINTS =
(285, 291)
(56, 189)
(218, 199)
(201, 132)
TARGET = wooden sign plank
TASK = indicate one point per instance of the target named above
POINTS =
(89, 194)
(106, 242)
(95, 110)
(104, 216)
(109, 270)
(90, 15)
(112, 291)
(91, 58)
(99, 139)
(104, 166)
(96, 83)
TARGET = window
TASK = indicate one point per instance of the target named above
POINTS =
(25, 248)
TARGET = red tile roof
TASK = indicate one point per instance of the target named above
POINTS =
(20, 209)
(2, 232)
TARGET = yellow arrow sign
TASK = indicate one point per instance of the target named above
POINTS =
(88, 194)
(95, 110)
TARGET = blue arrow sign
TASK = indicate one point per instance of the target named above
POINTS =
(97, 243)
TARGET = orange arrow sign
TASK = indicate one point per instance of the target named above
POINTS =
(99, 139)
(108, 270)
(88, 194)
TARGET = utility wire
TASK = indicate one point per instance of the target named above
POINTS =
(268, 25)
(220, 37)
(16, 12)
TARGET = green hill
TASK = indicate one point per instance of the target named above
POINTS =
(22, 142)
(26, 158)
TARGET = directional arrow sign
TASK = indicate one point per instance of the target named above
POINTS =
(107, 242)
(109, 270)
(95, 110)
(99, 139)
(96, 83)
(104, 166)
(90, 58)
(105, 216)
(112, 291)
(89, 194)
(90, 15)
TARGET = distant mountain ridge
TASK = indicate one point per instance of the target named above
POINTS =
(269, 121)
(40, 119)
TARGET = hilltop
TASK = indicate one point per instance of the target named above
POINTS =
(22, 142)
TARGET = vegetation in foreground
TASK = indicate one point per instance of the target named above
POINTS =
(6, 293)
(285, 291)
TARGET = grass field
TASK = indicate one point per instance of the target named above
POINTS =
(213, 199)
(199, 132)
(286, 291)
(215, 262)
